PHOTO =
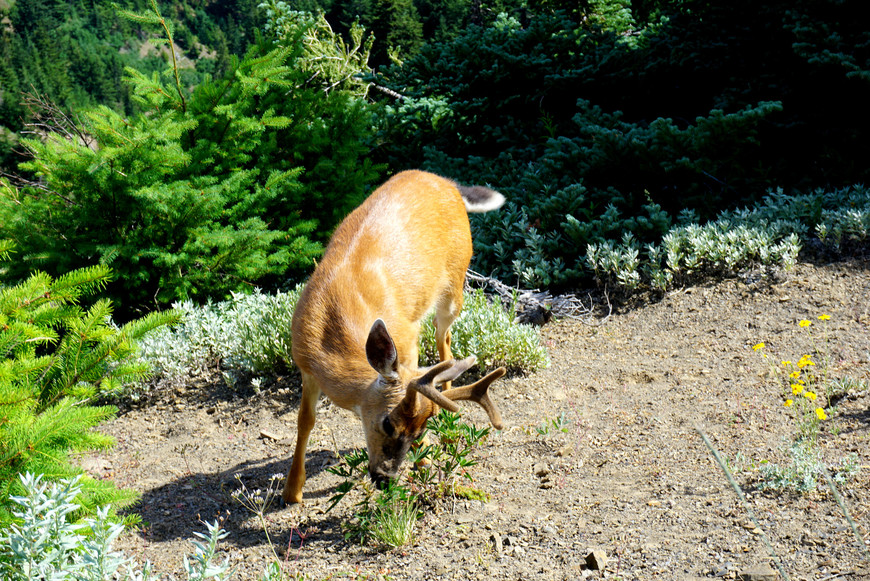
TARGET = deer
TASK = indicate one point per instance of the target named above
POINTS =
(399, 256)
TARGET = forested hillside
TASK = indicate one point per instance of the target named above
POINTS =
(606, 123)
(74, 53)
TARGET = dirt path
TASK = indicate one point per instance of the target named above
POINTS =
(630, 476)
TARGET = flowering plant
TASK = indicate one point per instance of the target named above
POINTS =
(803, 383)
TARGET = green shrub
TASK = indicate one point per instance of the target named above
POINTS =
(485, 329)
(248, 333)
(770, 233)
(689, 253)
(45, 542)
(203, 193)
(57, 359)
(583, 119)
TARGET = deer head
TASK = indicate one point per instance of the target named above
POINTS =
(401, 400)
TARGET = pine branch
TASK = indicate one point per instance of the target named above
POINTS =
(155, 18)
(45, 412)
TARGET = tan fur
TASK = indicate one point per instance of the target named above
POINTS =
(400, 255)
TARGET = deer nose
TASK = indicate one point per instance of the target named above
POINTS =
(380, 479)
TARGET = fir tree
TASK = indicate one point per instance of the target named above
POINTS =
(57, 360)
(203, 194)
(404, 32)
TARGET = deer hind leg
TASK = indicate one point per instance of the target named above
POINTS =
(307, 415)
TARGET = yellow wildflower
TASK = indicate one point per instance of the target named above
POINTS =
(794, 374)
(805, 323)
(758, 347)
(788, 403)
(786, 363)
(824, 317)
(820, 413)
(810, 395)
(796, 388)
(804, 361)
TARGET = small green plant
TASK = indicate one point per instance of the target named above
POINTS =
(439, 466)
(807, 387)
(353, 469)
(807, 392)
(388, 516)
(56, 360)
(45, 542)
(557, 424)
(485, 329)
(805, 471)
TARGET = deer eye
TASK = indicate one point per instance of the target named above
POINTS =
(388, 426)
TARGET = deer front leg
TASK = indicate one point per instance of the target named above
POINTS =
(307, 415)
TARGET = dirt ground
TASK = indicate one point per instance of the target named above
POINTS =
(630, 477)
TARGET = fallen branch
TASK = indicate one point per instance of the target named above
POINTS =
(537, 307)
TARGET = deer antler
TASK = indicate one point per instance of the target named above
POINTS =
(444, 371)
(477, 392)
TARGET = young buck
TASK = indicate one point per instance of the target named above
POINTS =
(399, 256)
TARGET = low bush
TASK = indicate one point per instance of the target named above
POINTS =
(46, 542)
(485, 329)
(806, 471)
(250, 334)
(769, 234)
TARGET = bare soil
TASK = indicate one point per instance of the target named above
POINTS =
(630, 477)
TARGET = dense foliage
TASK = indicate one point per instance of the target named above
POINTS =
(74, 53)
(595, 131)
(56, 358)
(203, 192)
(598, 120)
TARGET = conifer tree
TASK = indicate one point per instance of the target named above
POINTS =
(56, 360)
(202, 194)
(404, 35)
(616, 118)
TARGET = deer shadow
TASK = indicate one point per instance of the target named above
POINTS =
(181, 507)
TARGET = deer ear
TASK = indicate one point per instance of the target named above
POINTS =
(381, 351)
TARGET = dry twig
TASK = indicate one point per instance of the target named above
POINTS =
(537, 307)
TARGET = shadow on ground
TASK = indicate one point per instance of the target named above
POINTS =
(181, 507)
